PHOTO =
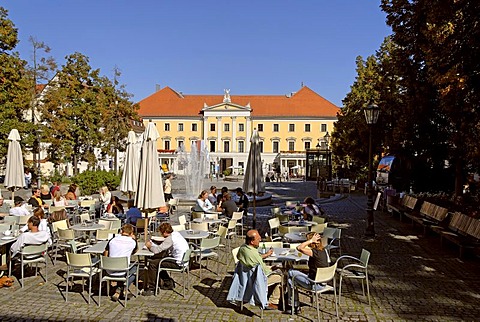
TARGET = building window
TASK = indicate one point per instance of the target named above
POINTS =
(323, 128)
(291, 127)
(307, 145)
(167, 126)
(166, 145)
(260, 144)
(241, 146)
(194, 127)
(180, 144)
(226, 127)
(307, 127)
(213, 144)
(226, 146)
(275, 147)
(180, 127)
(260, 127)
(193, 142)
(212, 126)
(275, 127)
(241, 127)
(291, 146)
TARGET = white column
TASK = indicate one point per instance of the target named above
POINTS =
(249, 132)
(234, 134)
(205, 131)
(219, 133)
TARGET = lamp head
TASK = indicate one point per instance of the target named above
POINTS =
(371, 113)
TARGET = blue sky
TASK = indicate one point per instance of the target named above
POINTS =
(205, 46)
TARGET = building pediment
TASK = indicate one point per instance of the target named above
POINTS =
(226, 107)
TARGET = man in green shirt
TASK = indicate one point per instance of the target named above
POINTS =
(248, 255)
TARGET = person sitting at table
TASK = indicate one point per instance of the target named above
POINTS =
(311, 209)
(35, 199)
(105, 198)
(18, 208)
(249, 256)
(45, 193)
(43, 226)
(242, 202)
(115, 207)
(123, 245)
(203, 204)
(228, 206)
(133, 213)
(58, 215)
(223, 191)
(31, 237)
(174, 246)
(58, 200)
(4, 208)
(212, 196)
(71, 193)
(317, 257)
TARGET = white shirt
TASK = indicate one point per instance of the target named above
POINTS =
(121, 246)
(177, 245)
(60, 203)
(42, 227)
(168, 186)
(205, 205)
(105, 198)
(30, 238)
(19, 211)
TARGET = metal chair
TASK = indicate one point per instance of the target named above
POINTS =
(107, 224)
(324, 275)
(81, 265)
(238, 216)
(117, 265)
(356, 270)
(205, 250)
(334, 235)
(184, 268)
(31, 254)
(319, 228)
(274, 223)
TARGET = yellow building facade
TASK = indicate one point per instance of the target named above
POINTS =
(288, 125)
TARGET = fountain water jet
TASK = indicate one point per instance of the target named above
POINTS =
(196, 168)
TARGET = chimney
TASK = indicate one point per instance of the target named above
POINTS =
(157, 87)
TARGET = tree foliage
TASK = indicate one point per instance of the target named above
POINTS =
(14, 90)
(425, 78)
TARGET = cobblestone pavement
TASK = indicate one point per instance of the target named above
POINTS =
(412, 279)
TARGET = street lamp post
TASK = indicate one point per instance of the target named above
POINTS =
(317, 163)
(326, 138)
(371, 116)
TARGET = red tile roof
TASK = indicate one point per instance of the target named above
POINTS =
(168, 102)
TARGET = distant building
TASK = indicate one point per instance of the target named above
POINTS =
(288, 126)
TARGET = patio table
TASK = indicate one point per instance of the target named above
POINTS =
(194, 234)
(296, 237)
(87, 228)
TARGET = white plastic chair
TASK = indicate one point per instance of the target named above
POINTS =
(117, 264)
(356, 270)
(81, 265)
(205, 250)
(274, 223)
(324, 275)
(31, 254)
(184, 268)
(238, 216)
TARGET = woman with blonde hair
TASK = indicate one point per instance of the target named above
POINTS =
(317, 257)
(58, 200)
(105, 198)
(45, 192)
(203, 204)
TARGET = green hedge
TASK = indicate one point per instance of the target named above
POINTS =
(90, 182)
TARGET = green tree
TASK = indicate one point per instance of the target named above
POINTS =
(14, 90)
(117, 114)
(437, 60)
(71, 111)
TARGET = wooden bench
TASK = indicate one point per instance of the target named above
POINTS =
(406, 205)
(429, 215)
(463, 231)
